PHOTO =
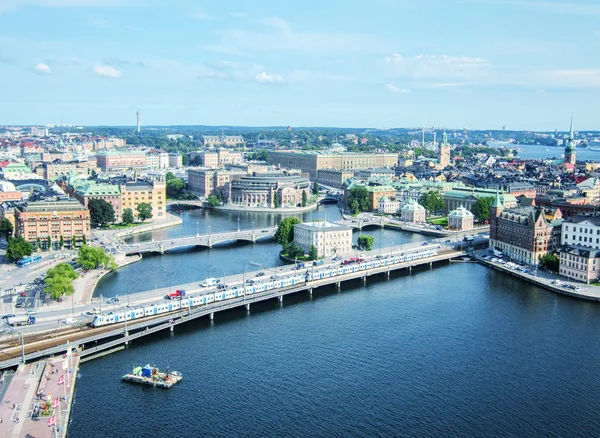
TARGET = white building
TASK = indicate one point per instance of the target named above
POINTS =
(328, 238)
(581, 231)
(175, 160)
(387, 206)
(157, 159)
(579, 255)
(413, 212)
(461, 219)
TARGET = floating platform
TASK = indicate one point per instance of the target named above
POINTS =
(151, 376)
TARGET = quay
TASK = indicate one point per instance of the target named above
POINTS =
(36, 398)
(96, 341)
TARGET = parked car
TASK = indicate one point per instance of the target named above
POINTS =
(260, 274)
(8, 315)
(23, 294)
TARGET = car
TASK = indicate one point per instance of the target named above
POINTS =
(425, 243)
(68, 320)
(8, 315)
(274, 277)
(43, 274)
(448, 241)
(23, 294)
(131, 304)
(113, 300)
(260, 274)
(32, 312)
(264, 231)
(19, 305)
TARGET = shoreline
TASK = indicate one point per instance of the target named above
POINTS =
(280, 210)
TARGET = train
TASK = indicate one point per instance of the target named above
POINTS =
(311, 274)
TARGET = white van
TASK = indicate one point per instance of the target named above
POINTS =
(68, 321)
(209, 282)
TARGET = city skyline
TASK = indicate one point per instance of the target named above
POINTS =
(479, 63)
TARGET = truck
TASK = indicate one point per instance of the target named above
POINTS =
(209, 282)
(468, 238)
(21, 320)
(177, 294)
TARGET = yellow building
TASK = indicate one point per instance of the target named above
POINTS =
(151, 192)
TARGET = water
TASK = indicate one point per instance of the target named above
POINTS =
(541, 152)
(459, 350)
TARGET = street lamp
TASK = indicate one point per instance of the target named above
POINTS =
(238, 219)
(197, 228)
(209, 232)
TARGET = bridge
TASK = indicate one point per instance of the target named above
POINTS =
(206, 240)
(96, 342)
(360, 224)
(189, 203)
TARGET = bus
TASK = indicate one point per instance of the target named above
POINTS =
(28, 260)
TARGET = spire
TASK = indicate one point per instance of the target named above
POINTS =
(445, 138)
(497, 202)
(571, 130)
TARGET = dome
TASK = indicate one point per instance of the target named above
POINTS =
(460, 212)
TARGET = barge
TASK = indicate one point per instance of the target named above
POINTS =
(152, 376)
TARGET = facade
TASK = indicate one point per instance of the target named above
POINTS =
(258, 190)
(151, 192)
(222, 140)
(334, 177)
(413, 212)
(374, 173)
(377, 192)
(468, 196)
(329, 239)
(580, 264)
(110, 193)
(52, 171)
(10, 196)
(590, 188)
(17, 172)
(581, 231)
(313, 162)
(157, 159)
(205, 183)
(215, 159)
(524, 234)
(175, 160)
(461, 219)
(388, 206)
(53, 219)
(110, 161)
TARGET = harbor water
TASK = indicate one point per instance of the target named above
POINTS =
(458, 350)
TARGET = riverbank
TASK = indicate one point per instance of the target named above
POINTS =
(89, 283)
(281, 210)
(169, 221)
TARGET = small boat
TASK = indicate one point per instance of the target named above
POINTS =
(152, 376)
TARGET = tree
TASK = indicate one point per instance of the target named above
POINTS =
(90, 257)
(295, 250)
(48, 243)
(213, 201)
(169, 176)
(38, 244)
(313, 254)
(365, 242)
(144, 211)
(127, 217)
(101, 212)
(481, 209)
(304, 198)
(84, 240)
(549, 262)
(276, 200)
(315, 189)
(6, 228)
(59, 280)
(358, 199)
(175, 187)
(18, 248)
(285, 230)
(432, 201)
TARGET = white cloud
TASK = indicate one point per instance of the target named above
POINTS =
(265, 78)
(199, 14)
(395, 89)
(43, 69)
(436, 66)
(107, 71)
(576, 78)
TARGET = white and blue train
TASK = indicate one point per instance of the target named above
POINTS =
(311, 274)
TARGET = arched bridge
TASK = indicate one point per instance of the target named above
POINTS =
(194, 203)
(206, 240)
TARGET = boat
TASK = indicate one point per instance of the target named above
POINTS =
(152, 376)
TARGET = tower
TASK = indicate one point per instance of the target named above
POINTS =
(444, 157)
(138, 121)
(495, 211)
(570, 148)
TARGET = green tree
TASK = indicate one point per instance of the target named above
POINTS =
(295, 250)
(144, 211)
(481, 209)
(175, 187)
(432, 201)
(315, 189)
(6, 228)
(38, 244)
(101, 212)
(48, 243)
(313, 253)
(169, 176)
(213, 201)
(127, 217)
(304, 198)
(59, 280)
(285, 230)
(365, 242)
(358, 199)
(90, 257)
(18, 248)
(549, 262)
(276, 200)
(84, 240)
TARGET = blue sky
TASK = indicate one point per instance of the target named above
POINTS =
(525, 64)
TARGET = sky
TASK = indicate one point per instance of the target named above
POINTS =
(525, 64)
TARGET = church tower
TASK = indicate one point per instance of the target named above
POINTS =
(570, 148)
(495, 211)
(444, 158)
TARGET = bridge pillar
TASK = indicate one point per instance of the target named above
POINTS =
(171, 328)
(410, 269)
(430, 265)
(280, 299)
(339, 285)
(212, 316)
(248, 307)
(161, 248)
(310, 291)
(388, 275)
(210, 242)
(365, 279)
(253, 237)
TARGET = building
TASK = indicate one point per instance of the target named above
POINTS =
(524, 234)
(110, 193)
(590, 188)
(312, 162)
(215, 159)
(53, 219)
(208, 182)
(329, 239)
(17, 172)
(10, 196)
(444, 155)
(259, 189)
(52, 171)
(461, 219)
(175, 160)
(412, 211)
(222, 140)
(115, 161)
(376, 192)
(334, 177)
(374, 173)
(570, 147)
(581, 231)
(157, 159)
(151, 192)
(518, 189)
(468, 196)
(581, 264)
(388, 206)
